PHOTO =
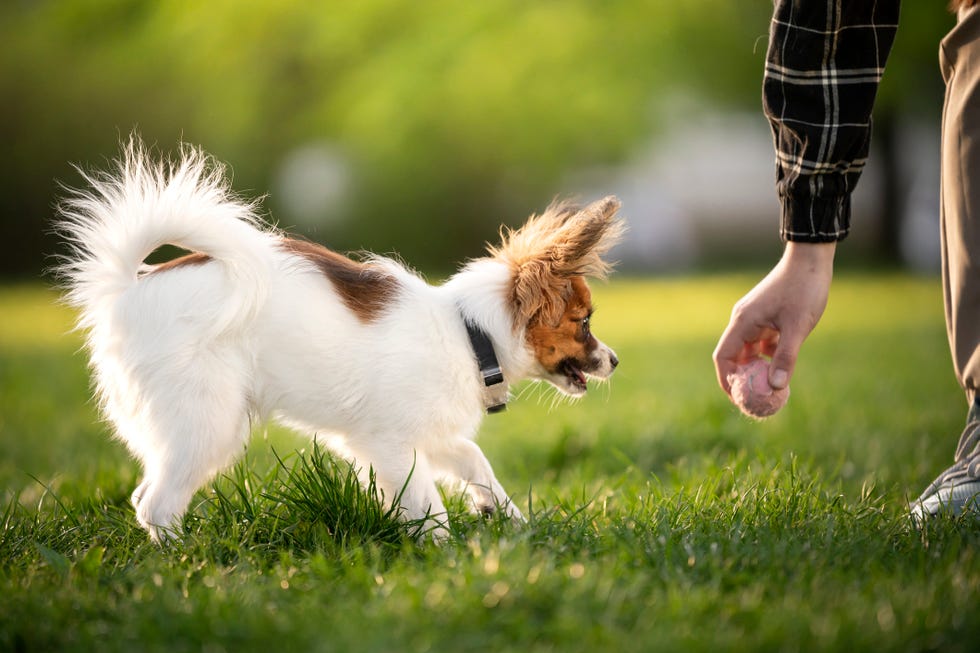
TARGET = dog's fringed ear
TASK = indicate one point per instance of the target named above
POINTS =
(585, 238)
(563, 242)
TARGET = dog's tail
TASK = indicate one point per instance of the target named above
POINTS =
(127, 214)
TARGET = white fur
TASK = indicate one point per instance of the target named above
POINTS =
(186, 360)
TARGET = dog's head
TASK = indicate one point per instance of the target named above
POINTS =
(550, 258)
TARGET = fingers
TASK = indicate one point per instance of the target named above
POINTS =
(724, 365)
(739, 344)
(726, 354)
(778, 314)
(783, 347)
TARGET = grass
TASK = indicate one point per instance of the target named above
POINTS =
(660, 519)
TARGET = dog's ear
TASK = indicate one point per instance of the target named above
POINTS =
(564, 242)
(585, 237)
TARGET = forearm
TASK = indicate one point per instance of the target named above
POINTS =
(823, 66)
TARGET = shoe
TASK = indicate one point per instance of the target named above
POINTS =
(956, 490)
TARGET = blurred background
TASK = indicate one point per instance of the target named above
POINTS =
(420, 127)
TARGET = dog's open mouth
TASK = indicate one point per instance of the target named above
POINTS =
(574, 374)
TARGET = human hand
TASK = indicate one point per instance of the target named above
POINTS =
(776, 316)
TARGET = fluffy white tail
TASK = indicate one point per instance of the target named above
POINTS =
(127, 214)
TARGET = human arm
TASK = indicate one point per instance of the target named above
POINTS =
(823, 66)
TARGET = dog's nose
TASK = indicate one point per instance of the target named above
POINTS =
(613, 360)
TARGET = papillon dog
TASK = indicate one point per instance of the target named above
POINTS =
(388, 371)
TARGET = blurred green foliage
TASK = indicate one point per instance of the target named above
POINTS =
(450, 116)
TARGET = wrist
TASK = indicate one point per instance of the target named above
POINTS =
(816, 257)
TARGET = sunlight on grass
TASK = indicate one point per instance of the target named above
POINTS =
(654, 506)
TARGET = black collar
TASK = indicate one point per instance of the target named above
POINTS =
(495, 394)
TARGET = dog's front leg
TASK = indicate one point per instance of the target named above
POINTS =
(404, 475)
(463, 460)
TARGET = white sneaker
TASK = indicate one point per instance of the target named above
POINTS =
(956, 490)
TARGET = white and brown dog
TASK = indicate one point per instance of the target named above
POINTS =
(389, 371)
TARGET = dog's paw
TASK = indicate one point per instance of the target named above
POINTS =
(163, 536)
(490, 508)
(513, 512)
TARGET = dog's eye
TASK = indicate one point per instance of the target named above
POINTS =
(585, 323)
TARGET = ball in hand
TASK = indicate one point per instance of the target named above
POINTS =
(751, 391)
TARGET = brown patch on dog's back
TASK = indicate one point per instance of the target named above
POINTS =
(194, 258)
(366, 289)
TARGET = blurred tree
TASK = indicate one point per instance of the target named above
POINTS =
(450, 116)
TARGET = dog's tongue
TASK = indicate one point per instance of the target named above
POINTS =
(574, 372)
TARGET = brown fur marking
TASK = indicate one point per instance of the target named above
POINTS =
(194, 258)
(565, 241)
(366, 289)
(567, 340)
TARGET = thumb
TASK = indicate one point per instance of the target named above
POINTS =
(784, 361)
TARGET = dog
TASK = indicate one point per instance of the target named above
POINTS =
(389, 371)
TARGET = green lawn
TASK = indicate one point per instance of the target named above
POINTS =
(660, 519)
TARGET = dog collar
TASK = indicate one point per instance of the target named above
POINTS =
(494, 388)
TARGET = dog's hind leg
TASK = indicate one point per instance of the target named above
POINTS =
(190, 441)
